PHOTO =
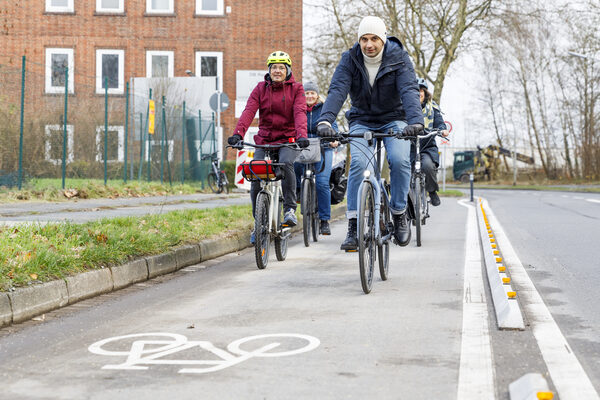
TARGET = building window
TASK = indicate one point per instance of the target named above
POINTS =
(156, 151)
(115, 143)
(210, 63)
(159, 64)
(57, 60)
(53, 144)
(110, 6)
(110, 64)
(209, 7)
(160, 6)
(63, 6)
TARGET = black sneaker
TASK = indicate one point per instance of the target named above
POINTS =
(324, 228)
(401, 229)
(435, 199)
(351, 242)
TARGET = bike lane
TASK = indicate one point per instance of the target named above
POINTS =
(401, 341)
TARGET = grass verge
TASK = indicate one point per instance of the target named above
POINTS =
(34, 253)
(451, 193)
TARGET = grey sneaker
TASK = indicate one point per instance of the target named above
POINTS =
(289, 219)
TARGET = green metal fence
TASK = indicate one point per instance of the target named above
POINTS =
(60, 124)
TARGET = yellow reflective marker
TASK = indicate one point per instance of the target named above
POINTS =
(498, 259)
(492, 240)
(545, 395)
(501, 268)
(493, 246)
(505, 280)
(490, 235)
(511, 295)
(496, 252)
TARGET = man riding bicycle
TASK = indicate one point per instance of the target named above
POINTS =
(282, 116)
(380, 78)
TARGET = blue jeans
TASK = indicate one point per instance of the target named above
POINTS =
(322, 180)
(398, 156)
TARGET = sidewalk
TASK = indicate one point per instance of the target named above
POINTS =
(80, 211)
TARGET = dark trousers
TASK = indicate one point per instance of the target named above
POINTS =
(286, 156)
(430, 169)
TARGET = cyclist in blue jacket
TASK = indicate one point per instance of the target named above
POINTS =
(380, 78)
(314, 106)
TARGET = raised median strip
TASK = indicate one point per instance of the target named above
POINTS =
(508, 313)
(25, 303)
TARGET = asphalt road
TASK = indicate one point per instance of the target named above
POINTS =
(192, 334)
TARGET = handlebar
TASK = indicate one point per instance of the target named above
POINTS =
(240, 145)
(369, 135)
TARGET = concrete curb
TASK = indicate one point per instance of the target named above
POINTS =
(508, 313)
(26, 303)
(531, 386)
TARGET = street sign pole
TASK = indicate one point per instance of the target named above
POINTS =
(218, 109)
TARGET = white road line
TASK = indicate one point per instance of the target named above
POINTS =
(570, 380)
(593, 200)
(476, 373)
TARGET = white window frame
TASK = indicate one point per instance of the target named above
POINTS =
(70, 62)
(47, 150)
(154, 143)
(219, 55)
(99, 81)
(120, 142)
(69, 8)
(149, 9)
(170, 67)
(119, 10)
(218, 11)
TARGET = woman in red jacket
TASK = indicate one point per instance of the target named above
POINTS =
(282, 115)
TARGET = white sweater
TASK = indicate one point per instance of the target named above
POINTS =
(372, 65)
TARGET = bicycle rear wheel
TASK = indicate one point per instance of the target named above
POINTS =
(383, 250)
(418, 208)
(281, 244)
(366, 237)
(306, 209)
(213, 183)
(261, 230)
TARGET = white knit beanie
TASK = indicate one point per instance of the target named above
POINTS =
(372, 25)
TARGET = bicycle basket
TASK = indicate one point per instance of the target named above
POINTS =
(311, 154)
(261, 170)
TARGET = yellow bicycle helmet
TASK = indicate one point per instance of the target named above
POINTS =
(279, 57)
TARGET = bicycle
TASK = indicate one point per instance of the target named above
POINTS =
(418, 203)
(373, 206)
(217, 179)
(308, 193)
(268, 213)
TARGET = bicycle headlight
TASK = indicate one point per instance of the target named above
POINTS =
(367, 173)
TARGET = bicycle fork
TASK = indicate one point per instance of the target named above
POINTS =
(370, 181)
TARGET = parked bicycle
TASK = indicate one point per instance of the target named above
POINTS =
(375, 227)
(268, 214)
(217, 179)
(418, 204)
(308, 194)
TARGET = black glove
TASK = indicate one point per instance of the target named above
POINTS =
(302, 143)
(234, 140)
(324, 130)
(413, 130)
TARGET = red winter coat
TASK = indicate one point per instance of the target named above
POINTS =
(282, 111)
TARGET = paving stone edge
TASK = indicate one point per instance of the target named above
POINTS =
(29, 302)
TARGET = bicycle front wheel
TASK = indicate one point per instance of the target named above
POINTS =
(281, 244)
(383, 250)
(261, 231)
(306, 209)
(366, 237)
(213, 183)
(223, 183)
(315, 214)
(418, 209)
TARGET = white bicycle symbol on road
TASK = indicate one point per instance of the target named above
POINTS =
(150, 351)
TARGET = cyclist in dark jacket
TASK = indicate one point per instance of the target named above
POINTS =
(380, 78)
(313, 111)
(282, 115)
(430, 158)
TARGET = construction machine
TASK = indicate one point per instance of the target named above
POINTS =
(483, 162)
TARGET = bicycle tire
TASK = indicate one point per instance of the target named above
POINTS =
(213, 183)
(261, 231)
(366, 240)
(305, 208)
(417, 206)
(315, 213)
(383, 250)
(224, 184)
(281, 245)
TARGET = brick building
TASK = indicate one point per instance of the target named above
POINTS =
(121, 39)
